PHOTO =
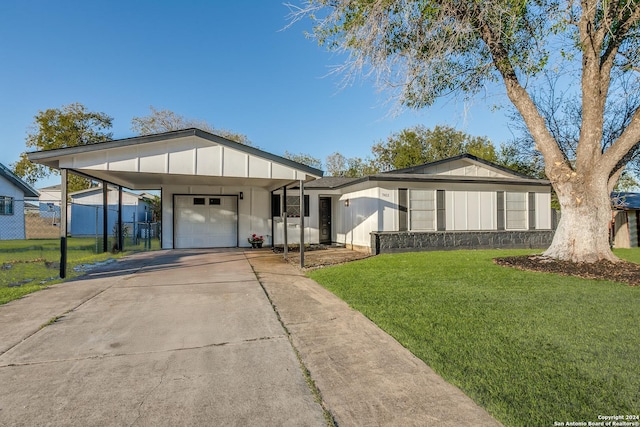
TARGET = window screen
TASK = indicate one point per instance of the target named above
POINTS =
(516, 210)
(422, 209)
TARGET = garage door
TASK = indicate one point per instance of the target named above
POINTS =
(206, 221)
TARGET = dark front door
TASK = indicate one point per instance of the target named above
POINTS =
(325, 219)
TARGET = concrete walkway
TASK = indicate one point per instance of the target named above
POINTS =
(191, 338)
(365, 377)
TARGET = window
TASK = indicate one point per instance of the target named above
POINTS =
(516, 211)
(198, 200)
(6, 205)
(293, 206)
(422, 209)
(275, 205)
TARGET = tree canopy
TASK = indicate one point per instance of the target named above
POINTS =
(68, 126)
(351, 167)
(159, 121)
(417, 145)
(422, 50)
(305, 159)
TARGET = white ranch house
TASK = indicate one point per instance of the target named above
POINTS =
(216, 193)
(453, 203)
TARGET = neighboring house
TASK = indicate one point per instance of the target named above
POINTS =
(216, 193)
(460, 202)
(50, 202)
(13, 192)
(625, 219)
(87, 214)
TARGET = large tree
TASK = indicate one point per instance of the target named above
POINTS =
(68, 126)
(159, 121)
(428, 49)
(417, 145)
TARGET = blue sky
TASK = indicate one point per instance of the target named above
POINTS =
(227, 62)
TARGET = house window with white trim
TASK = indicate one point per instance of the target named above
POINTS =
(6, 205)
(422, 210)
(515, 211)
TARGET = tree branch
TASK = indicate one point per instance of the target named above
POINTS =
(556, 161)
(623, 145)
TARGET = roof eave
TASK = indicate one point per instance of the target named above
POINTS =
(459, 157)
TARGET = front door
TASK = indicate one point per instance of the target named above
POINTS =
(325, 219)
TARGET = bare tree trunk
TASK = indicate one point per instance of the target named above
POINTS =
(583, 232)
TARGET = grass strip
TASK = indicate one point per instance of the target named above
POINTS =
(27, 266)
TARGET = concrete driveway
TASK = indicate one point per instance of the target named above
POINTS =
(176, 338)
(161, 338)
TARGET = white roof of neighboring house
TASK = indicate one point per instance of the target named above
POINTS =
(93, 190)
(51, 188)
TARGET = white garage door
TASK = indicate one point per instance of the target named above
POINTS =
(206, 221)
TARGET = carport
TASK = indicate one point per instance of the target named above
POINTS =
(215, 192)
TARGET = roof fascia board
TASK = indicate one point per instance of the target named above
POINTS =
(444, 179)
(466, 156)
(459, 179)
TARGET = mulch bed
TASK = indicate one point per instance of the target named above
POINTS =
(623, 271)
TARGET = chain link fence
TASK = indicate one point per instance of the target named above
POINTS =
(33, 219)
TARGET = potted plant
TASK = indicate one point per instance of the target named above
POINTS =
(256, 241)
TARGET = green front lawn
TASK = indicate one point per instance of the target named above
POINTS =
(532, 348)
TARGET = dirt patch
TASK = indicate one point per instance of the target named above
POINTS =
(623, 271)
(318, 256)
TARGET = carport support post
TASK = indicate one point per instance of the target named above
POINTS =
(105, 217)
(120, 233)
(301, 223)
(63, 223)
(284, 221)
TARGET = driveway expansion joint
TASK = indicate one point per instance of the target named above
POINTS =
(170, 350)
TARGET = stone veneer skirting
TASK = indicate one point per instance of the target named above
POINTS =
(384, 242)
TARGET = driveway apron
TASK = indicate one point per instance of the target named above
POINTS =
(162, 338)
